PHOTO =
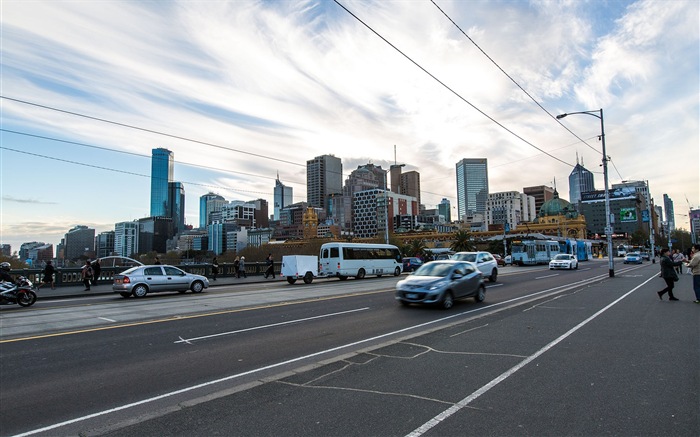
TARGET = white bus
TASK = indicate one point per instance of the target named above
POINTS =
(358, 259)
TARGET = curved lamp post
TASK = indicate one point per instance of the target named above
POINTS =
(608, 228)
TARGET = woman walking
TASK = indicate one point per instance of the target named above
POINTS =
(668, 273)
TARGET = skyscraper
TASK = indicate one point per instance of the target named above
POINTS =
(410, 184)
(161, 175)
(282, 197)
(209, 203)
(472, 187)
(580, 181)
(444, 210)
(324, 176)
(176, 206)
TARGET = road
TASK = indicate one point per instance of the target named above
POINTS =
(547, 353)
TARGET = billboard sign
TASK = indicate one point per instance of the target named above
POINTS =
(628, 215)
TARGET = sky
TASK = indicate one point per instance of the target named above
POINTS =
(243, 91)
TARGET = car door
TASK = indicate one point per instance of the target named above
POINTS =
(472, 279)
(155, 278)
(176, 279)
(459, 280)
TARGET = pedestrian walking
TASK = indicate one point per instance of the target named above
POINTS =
(86, 274)
(214, 268)
(668, 274)
(236, 264)
(96, 269)
(241, 268)
(694, 266)
(270, 262)
(678, 257)
(157, 261)
(48, 275)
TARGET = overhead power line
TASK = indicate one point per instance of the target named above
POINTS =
(448, 87)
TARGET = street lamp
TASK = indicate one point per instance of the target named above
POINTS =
(608, 228)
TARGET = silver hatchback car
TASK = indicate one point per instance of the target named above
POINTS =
(440, 283)
(141, 280)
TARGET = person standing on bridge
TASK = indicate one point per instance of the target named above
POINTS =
(668, 273)
(270, 262)
(214, 268)
(241, 267)
(694, 266)
(86, 274)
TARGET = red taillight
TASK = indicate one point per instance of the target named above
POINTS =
(126, 280)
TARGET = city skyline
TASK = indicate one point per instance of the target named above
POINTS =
(240, 109)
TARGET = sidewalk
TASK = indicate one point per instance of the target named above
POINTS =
(106, 288)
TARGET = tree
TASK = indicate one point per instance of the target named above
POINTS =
(462, 242)
(639, 238)
(416, 248)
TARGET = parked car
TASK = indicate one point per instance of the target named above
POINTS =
(484, 261)
(141, 280)
(633, 258)
(563, 261)
(499, 260)
(411, 263)
(440, 283)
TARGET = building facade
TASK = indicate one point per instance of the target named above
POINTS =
(126, 238)
(510, 208)
(472, 187)
(283, 196)
(445, 210)
(209, 203)
(324, 176)
(104, 244)
(79, 242)
(580, 181)
(176, 206)
(541, 193)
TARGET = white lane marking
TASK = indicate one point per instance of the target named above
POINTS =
(548, 276)
(294, 360)
(502, 377)
(255, 328)
(109, 320)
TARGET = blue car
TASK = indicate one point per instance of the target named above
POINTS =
(411, 263)
(633, 258)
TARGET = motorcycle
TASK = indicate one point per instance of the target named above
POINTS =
(21, 293)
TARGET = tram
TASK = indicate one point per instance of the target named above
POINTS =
(532, 252)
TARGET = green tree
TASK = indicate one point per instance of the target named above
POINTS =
(416, 248)
(462, 242)
(639, 238)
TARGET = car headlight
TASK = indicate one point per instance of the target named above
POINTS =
(437, 285)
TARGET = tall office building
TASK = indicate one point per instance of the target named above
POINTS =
(541, 193)
(209, 203)
(104, 244)
(410, 184)
(444, 209)
(176, 206)
(668, 207)
(161, 175)
(282, 197)
(79, 241)
(580, 181)
(324, 176)
(126, 238)
(472, 187)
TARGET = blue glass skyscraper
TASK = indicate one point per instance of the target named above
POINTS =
(161, 175)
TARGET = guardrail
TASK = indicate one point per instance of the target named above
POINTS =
(71, 276)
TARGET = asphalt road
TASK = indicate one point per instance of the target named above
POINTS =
(547, 353)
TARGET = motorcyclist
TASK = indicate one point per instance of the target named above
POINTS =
(7, 282)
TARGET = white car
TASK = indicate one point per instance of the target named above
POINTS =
(484, 261)
(563, 261)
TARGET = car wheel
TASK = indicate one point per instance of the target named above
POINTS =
(494, 275)
(481, 294)
(397, 271)
(197, 287)
(448, 301)
(360, 274)
(140, 290)
(291, 280)
(125, 295)
(308, 278)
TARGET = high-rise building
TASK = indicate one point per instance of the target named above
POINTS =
(444, 209)
(324, 176)
(541, 194)
(580, 181)
(79, 241)
(282, 197)
(104, 244)
(472, 187)
(176, 206)
(510, 208)
(668, 208)
(126, 238)
(161, 175)
(6, 249)
(410, 184)
(154, 233)
(209, 203)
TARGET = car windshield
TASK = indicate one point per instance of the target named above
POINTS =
(562, 257)
(471, 257)
(434, 269)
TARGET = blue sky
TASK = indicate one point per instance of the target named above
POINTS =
(242, 90)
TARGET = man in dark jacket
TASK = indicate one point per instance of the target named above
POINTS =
(668, 274)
